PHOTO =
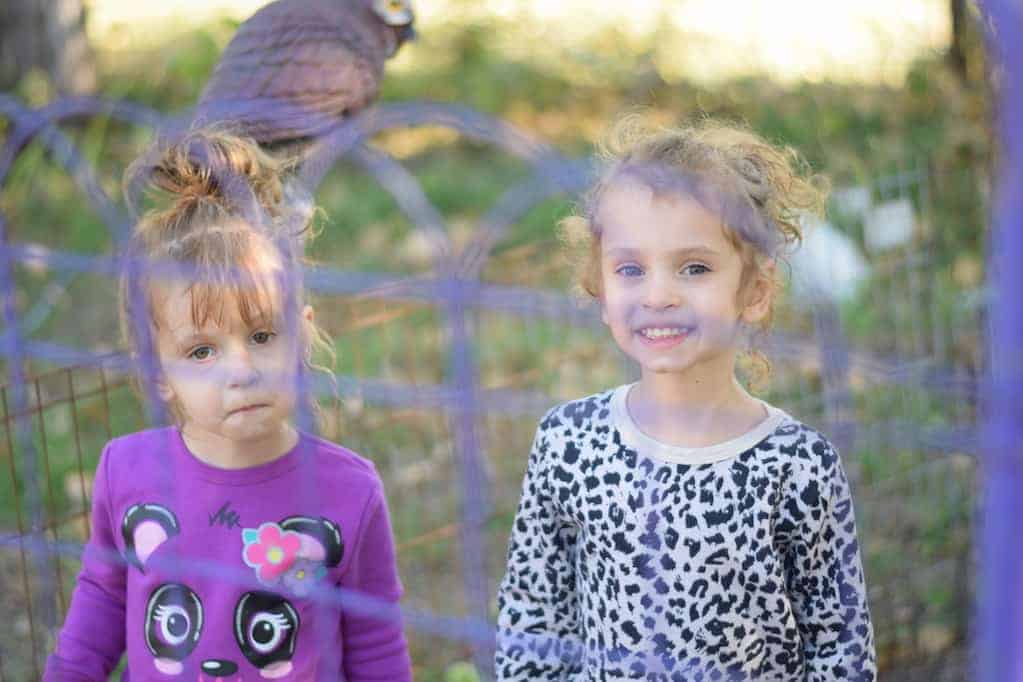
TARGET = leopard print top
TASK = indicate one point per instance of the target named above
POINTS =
(631, 559)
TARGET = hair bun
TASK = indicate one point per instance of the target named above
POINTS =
(211, 167)
(217, 165)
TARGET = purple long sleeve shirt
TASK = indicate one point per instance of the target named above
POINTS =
(284, 570)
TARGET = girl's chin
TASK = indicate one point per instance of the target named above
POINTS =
(665, 370)
(255, 430)
(259, 432)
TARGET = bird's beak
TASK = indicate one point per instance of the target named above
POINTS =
(407, 33)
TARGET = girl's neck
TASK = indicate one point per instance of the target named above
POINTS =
(225, 453)
(693, 411)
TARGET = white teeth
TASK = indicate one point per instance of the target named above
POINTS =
(661, 332)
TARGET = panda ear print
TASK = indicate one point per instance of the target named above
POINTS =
(323, 531)
(144, 528)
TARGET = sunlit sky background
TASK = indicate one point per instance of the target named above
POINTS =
(858, 40)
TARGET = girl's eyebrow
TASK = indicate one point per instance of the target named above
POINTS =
(189, 339)
(186, 334)
(705, 251)
(264, 321)
(624, 252)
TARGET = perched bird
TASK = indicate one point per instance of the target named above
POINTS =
(296, 68)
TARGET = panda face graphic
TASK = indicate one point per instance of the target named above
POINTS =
(265, 628)
(265, 624)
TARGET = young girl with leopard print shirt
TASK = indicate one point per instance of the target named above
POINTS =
(678, 528)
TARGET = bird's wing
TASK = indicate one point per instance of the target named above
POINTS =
(288, 75)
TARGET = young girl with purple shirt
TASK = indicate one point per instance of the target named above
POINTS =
(230, 545)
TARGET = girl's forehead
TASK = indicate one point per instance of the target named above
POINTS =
(631, 215)
(197, 306)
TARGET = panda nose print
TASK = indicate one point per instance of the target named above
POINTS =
(218, 668)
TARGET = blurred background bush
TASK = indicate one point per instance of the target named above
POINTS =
(891, 100)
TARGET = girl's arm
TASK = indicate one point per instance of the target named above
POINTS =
(373, 637)
(538, 635)
(825, 573)
(91, 641)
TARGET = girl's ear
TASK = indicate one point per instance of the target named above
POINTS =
(758, 295)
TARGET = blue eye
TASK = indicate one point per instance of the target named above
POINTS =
(695, 269)
(629, 271)
(262, 337)
(201, 353)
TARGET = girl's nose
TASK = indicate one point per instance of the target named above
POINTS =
(242, 372)
(661, 292)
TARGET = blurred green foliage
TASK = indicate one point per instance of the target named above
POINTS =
(854, 133)
(851, 132)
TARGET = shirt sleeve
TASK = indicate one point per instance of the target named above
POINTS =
(373, 635)
(824, 573)
(538, 633)
(92, 639)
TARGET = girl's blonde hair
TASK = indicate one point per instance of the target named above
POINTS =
(761, 192)
(223, 218)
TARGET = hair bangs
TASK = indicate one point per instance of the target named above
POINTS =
(252, 289)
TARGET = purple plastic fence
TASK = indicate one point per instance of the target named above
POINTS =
(455, 287)
(999, 647)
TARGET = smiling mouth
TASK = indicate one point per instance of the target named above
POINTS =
(664, 333)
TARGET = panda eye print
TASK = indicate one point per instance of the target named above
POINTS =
(174, 624)
(267, 630)
(266, 627)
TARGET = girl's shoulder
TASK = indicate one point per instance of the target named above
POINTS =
(584, 413)
(132, 448)
(802, 445)
(133, 461)
(333, 459)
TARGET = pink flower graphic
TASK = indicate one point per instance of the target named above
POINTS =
(271, 551)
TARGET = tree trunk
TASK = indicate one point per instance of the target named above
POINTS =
(49, 36)
(958, 47)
